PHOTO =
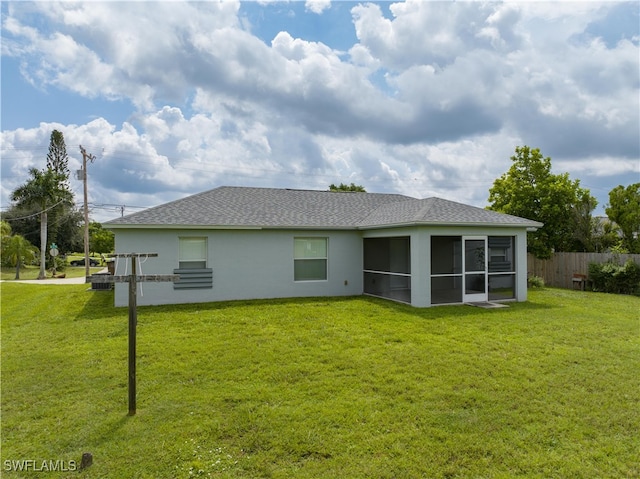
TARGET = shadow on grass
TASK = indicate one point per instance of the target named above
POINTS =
(458, 310)
(100, 305)
(109, 429)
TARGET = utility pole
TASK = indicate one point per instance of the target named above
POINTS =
(86, 156)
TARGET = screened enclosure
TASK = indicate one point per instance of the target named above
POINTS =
(472, 268)
(387, 268)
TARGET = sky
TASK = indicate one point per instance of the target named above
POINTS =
(418, 98)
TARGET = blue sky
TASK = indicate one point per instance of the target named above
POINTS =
(419, 98)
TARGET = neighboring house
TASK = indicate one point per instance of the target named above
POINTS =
(243, 243)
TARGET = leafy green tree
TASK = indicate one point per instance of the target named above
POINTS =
(586, 227)
(42, 191)
(624, 210)
(62, 217)
(16, 250)
(5, 229)
(529, 189)
(606, 234)
(343, 187)
(100, 240)
(67, 230)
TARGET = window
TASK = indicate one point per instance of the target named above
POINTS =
(502, 273)
(309, 259)
(193, 253)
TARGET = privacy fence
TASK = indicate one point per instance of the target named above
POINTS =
(558, 270)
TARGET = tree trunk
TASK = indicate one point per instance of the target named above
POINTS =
(43, 245)
(18, 267)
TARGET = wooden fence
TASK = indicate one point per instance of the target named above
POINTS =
(558, 271)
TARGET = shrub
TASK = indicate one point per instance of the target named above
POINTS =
(615, 278)
(535, 282)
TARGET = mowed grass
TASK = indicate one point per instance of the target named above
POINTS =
(323, 388)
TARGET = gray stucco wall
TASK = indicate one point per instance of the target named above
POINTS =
(251, 264)
(246, 264)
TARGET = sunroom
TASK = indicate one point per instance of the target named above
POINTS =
(470, 269)
(443, 268)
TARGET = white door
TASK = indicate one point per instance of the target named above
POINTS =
(475, 269)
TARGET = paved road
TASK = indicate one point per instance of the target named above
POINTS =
(79, 280)
(49, 281)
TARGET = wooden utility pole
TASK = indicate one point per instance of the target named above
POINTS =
(133, 280)
(86, 156)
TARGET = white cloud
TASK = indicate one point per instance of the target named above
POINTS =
(430, 100)
(317, 6)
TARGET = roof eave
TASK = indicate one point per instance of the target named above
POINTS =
(122, 226)
(225, 227)
(528, 226)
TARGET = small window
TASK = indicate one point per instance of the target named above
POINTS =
(310, 259)
(193, 253)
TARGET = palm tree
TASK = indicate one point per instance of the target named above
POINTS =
(43, 191)
(5, 229)
(18, 250)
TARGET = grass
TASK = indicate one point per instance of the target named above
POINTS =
(313, 388)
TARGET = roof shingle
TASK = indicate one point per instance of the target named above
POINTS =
(228, 206)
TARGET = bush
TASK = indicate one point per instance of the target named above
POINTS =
(615, 278)
(535, 282)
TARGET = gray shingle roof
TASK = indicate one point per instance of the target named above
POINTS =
(228, 206)
(439, 211)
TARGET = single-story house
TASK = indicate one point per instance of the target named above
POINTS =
(234, 243)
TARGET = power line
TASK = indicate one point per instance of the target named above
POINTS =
(35, 214)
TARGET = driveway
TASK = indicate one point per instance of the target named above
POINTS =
(80, 280)
(49, 281)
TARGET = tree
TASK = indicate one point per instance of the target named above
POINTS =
(66, 233)
(16, 250)
(57, 159)
(343, 187)
(624, 210)
(606, 234)
(586, 227)
(62, 218)
(530, 190)
(100, 240)
(5, 229)
(42, 191)
(58, 162)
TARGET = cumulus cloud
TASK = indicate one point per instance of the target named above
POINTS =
(317, 6)
(430, 99)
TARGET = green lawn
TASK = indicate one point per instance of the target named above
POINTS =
(315, 388)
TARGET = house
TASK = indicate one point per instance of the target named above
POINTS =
(242, 243)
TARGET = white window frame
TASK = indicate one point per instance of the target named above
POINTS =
(194, 259)
(315, 258)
